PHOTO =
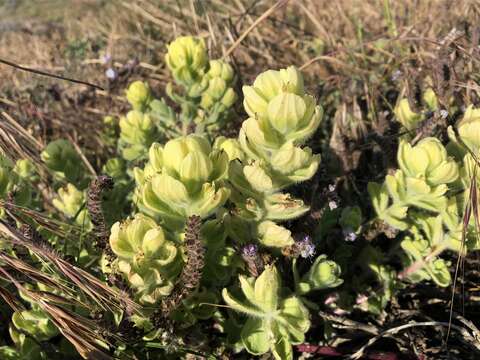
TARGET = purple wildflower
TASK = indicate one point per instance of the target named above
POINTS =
(349, 234)
(331, 299)
(361, 298)
(332, 205)
(250, 251)
(111, 73)
(106, 58)
(396, 75)
(305, 246)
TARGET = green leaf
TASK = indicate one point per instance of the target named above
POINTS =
(239, 306)
(294, 316)
(266, 289)
(282, 350)
(255, 337)
(379, 196)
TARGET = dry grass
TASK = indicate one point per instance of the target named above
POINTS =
(360, 56)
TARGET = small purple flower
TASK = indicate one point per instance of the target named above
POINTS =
(444, 113)
(111, 73)
(331, 187)
(396, 75)
(250, 251)
(361, 298)
(308, 251)
(332, 205)
(349, 234)
(106, 58)
(305, 247)
(331, 299)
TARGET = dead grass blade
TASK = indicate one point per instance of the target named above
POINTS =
(82, 156)
(57, 227)
(43, 73)
(11, 300)
(36, 275)
(472, 204)
(83, 333)
(104, 296)
(265, 15)
(22, 131)
(417, 265)
(467, 336)
(17, 143)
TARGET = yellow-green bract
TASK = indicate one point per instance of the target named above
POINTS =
(281, 118)
(275, 322)
(146, 257)
(187, 59)
(137, 133)
(428, 194)
(428, 160)
(323, 274)
(138, 95)
(184, 178)
(217, 83)
(279, 110)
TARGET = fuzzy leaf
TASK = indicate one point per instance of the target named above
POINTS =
(255, 336)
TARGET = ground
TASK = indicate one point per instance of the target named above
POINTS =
(359, 57)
